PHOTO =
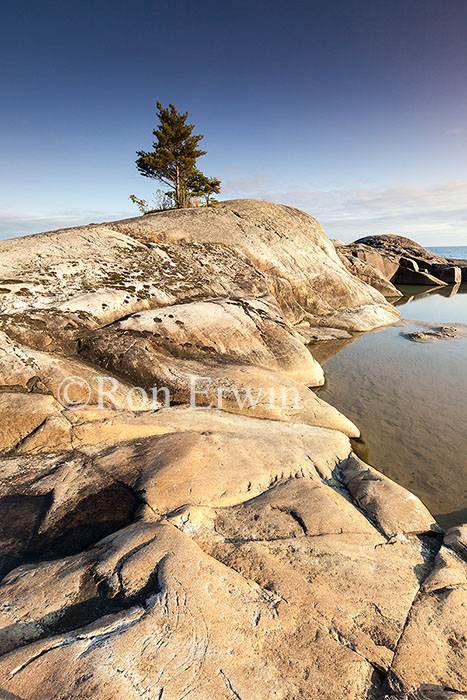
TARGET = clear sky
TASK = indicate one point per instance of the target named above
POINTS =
(354, 110)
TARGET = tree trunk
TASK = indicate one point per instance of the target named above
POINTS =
(178, 189)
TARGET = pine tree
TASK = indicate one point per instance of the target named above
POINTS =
(173, 160)
(202, 186)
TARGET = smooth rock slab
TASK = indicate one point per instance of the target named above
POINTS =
(218, 459)
(433, 648)
(201, 629)
(289, 247)
(99, 275)
(68, 501)
(237, 388)
(32, 423)
(25, 370)
(357, 585)
(243, 330)
(389, 506)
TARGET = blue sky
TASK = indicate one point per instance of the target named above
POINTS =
(354, 110)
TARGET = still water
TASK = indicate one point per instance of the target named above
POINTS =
(409, 399)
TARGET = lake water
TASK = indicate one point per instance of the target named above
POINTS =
(409, 399)
(456, 251)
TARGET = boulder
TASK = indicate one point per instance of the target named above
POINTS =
(433, 334)
(405, 275)
(462, 265)
(243, 248)
(98, 275)
(397, 246)
(450, 274)
(414, 264)
(386, 263)
(365, 271)
(409, 264)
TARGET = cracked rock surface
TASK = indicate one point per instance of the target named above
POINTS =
(228, 552)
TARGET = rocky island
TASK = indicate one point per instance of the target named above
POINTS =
(387, 259)
(231, 547)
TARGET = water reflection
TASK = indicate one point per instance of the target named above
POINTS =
(436, 304)
(322, 352)
(418, 292)
(409, 399)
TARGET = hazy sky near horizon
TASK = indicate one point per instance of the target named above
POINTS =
(353, 110)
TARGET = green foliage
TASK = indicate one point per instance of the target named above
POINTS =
(140, 203)
(200, 186)
(173, 160)
(162, 200)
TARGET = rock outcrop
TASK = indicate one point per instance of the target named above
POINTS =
(434, 334)
(403, 261)
(397, 246)
(388, 260)
(359, 264)
(289, 247)
(462, 265)
(201, 549)
(409, 275)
